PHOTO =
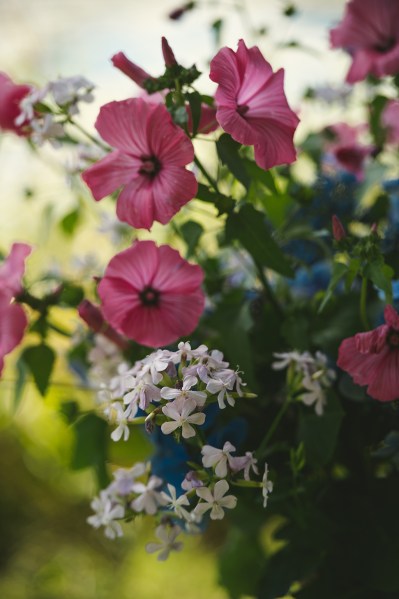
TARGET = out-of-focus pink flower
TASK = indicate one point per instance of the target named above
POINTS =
(338, 228)
(13, 320)
(251, 104)
(150, 294)
(94, 319)
(369, 31)
(372, 358)
(346, 149)
(390, 120)
(10, 97)
(148, 162)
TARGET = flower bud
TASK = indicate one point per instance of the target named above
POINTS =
(168, 55)
(338, 228)
(177, 13)
(94, 319)
(131, 70)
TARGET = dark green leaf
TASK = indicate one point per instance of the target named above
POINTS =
(69, 410)
(71, 295)
(223, 203)
(40, 361)
(91, 436)
(249, 227)
(191, 232)
(194, 99)
(338, 273)
(240, 564)
(227, 150)
(381, 275)
(70, 221)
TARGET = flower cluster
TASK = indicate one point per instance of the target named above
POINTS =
(308, 376)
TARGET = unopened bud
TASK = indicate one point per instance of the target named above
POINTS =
(177, 14)
(94, 319)
(168, 56)
(131, 70)
(338, 228)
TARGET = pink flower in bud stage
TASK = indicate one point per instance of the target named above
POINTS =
(348, 153)
(390, 121)
(167, 52)
(10, 97)
(251, 104)
(369, 31)
(94, 319)
(148, 162)
(372, 358)
(338, 228)
(150, 294)
(13, 320)
(130, 69)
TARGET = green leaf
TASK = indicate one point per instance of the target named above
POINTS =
(240, 564)
(194, 99)
(70, 221)
(91, 438)
(191, 232)
(69, 410)
(227, 150)
(20, 382)
(39, 359)
(223, 203)
(249, 227)
(380, 274)
(71, 295)
(264, 177)
(319, 434)
(339, 271)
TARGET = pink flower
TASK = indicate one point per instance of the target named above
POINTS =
(251, 104)
(151, 295)
(149, 160)
(369, 32)
(10, 97)
(13, 321)
(349, 154)
(372, 358)
(390, 120)
(131, 70)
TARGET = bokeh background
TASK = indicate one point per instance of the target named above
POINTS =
(47, 551)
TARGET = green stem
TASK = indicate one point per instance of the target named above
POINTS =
(88, 135)
(266, 439)
(207, 176)
(363, 304)
(268, 290)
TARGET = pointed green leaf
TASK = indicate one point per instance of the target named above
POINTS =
(40, 361)
(227, 150)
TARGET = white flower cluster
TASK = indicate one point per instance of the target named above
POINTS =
(172, 388)
(136, 491)
(314, 376)
(36, 112)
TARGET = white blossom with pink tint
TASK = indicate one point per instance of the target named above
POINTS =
(180, 411)
(216, 501)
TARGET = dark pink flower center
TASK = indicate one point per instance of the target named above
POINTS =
(385, 46)
(242, 109)
(149, 296)
(150, 166)
(393, 339)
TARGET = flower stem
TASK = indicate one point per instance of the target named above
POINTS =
(207, 176)
(88, 135)
(268, 290)
(266, 439)
(363, 304)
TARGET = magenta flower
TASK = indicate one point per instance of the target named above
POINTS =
(372, 358)
(369, 32)
(251, 104)
(348, 153)
(390, 121)
(148, 162)
(10, 97)
(13, 320)
(151, 295)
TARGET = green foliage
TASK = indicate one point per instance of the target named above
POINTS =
(90, 447)
(39, 360)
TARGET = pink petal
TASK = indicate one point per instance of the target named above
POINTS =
(13, 323)
(135, 204)
(391, 317)
(118, 298)
(277, 147)
(176, 275)
(135, 265)
(124, 125)
(13, 269)
(109, 173)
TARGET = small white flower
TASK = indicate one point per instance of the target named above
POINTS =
(245, 463)
(222, 384)
(176, 503)
(106, 514)
(68, 91)
(116, 413)
(180, 411)
(142, 394)
(211, 456)
(155, 364)
(149, 499)
(191, 481)
(124, 479)
(267, 486)
(27, 105)
(185, 393)
(215, 501)
(315, 395)
(287, 358)
(46, 128)
(167, 535)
